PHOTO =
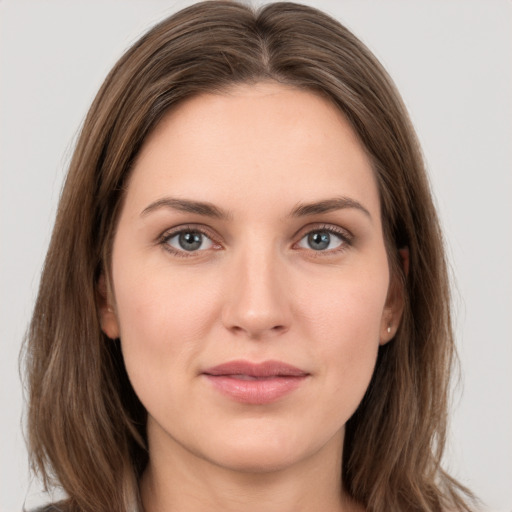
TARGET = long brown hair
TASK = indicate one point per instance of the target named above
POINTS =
(86, 427)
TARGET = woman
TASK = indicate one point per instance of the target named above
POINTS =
(245, 303)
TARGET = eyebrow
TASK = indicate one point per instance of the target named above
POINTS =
(210, 210)
(187, 205)
(328, 205)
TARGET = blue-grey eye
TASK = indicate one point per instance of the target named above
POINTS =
(321, 240)
(190, 241)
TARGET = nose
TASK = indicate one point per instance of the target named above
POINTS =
(257, 302)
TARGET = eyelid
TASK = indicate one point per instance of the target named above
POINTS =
(164, 237)
(346, 236)
(323, 226)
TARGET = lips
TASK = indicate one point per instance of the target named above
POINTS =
(255, 383)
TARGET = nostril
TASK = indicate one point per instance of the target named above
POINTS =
(258, 332)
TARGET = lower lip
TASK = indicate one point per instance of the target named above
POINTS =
(256, 392)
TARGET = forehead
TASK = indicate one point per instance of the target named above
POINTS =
(269, 139)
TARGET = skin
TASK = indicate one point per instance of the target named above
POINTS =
(255, 290)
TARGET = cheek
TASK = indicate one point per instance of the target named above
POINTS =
(344, 321)
(349, 306)
(163, 319)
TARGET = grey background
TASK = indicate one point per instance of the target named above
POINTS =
(451, 61)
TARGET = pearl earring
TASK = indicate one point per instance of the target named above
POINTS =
(389, 329)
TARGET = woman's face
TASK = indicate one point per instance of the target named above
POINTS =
(250, 279)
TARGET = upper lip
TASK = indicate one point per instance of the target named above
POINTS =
(264, 369)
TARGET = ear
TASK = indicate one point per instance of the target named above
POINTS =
(395, 302)
(108, 318)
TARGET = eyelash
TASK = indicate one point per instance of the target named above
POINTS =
(345, 237)
(168, 235)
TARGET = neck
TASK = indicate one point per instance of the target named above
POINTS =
(177, 480)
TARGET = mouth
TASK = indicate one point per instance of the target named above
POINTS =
(255, 383)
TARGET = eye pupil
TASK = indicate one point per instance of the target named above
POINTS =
(190, 240)
(319, 240)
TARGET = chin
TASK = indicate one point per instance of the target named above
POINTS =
(268, 451)
(256, 459)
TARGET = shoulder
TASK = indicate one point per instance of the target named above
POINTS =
(48, 508)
